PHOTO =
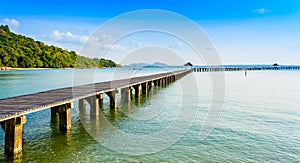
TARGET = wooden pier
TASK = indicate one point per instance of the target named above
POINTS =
(13, 110)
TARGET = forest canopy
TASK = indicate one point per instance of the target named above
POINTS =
(19, 51)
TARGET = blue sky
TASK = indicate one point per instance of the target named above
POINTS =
(243, 31)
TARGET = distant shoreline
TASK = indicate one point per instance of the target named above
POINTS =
(23, 69)
(14, 69)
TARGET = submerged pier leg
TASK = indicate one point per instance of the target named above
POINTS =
(167, 80)
(155, 82)
(149, 85)
(82, 104)
(54, 112)
(159, 82)
(112, 99)
(94, 105)
(163, 82)
(13, 129)
(96, 102)
(173, 78)
(64, 112)
(100, 100)
(126, 94)
(82, 107)
(145, 88)
(137, 92)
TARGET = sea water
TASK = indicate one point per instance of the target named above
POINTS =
(259, 122)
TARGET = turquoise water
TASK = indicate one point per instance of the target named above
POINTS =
(260, 120)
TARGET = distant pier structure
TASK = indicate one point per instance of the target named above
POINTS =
(245, 68)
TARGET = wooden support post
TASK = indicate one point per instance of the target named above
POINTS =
(149, 86)
(126, 94)
(13, 129)
(167, 80)
(159, 82)
(100, 97)
(64, 112)
(137, 91)
(155, 83)
(145, 88)
(82, 105)
(163, 80)
(54, 112)
(112, 99)
(94, 105)
(123, 92)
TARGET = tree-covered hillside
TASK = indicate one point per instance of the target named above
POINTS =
(23, 52)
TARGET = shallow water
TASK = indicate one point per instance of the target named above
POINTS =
(260, 120)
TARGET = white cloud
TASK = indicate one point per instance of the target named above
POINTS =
(93, 45)
(136, 43)
(12, 23)
(67, 37)
(262, 11)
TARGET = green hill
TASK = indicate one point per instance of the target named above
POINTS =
(18, 51)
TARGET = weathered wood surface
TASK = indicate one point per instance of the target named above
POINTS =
(20, 105)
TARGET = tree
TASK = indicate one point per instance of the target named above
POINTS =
(5, 28)
(20, 51)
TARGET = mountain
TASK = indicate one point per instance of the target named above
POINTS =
(159, 64)
(138, 65)
(156, 64)
(19, 51)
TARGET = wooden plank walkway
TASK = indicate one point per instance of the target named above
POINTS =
(16, 106)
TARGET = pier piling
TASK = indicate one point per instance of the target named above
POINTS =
(145, 88)
(65, 117)
(112, 99)
(13, 129)
(126, 94)
(137, 92)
